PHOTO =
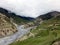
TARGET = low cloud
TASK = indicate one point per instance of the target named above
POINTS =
(30, 8)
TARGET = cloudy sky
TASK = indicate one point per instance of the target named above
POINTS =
(30, 8)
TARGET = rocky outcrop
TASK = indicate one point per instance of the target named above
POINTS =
(56, 43)
(6, 26)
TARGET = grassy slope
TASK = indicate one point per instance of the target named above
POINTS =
(18, 20)
(45, 33)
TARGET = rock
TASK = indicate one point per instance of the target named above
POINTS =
(6, 26)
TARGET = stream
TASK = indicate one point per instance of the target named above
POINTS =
(9, 39)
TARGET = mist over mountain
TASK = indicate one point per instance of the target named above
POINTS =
(30, 8)
(11, 14)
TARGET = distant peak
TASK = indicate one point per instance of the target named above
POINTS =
(49, 15)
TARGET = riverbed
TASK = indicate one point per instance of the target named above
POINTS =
(9, 39)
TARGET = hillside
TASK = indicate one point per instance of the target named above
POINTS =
(16, 18)
(45, 33)
(6, 26)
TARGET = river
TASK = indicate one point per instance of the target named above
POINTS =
(9, 39)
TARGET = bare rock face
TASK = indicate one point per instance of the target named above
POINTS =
(56, 43)
(6, 26)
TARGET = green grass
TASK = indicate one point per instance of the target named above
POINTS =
(19, 20)
(45, 33)
(42, 40)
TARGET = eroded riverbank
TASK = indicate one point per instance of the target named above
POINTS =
(21, 32)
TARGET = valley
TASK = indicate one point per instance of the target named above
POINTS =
(16, 30)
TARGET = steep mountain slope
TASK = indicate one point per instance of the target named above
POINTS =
(44, 34)
(16, 18)
(6, 26)
(49, 15)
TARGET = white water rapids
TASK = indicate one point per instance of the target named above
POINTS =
(12, 38)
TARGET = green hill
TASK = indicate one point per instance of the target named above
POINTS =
(44, 34)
